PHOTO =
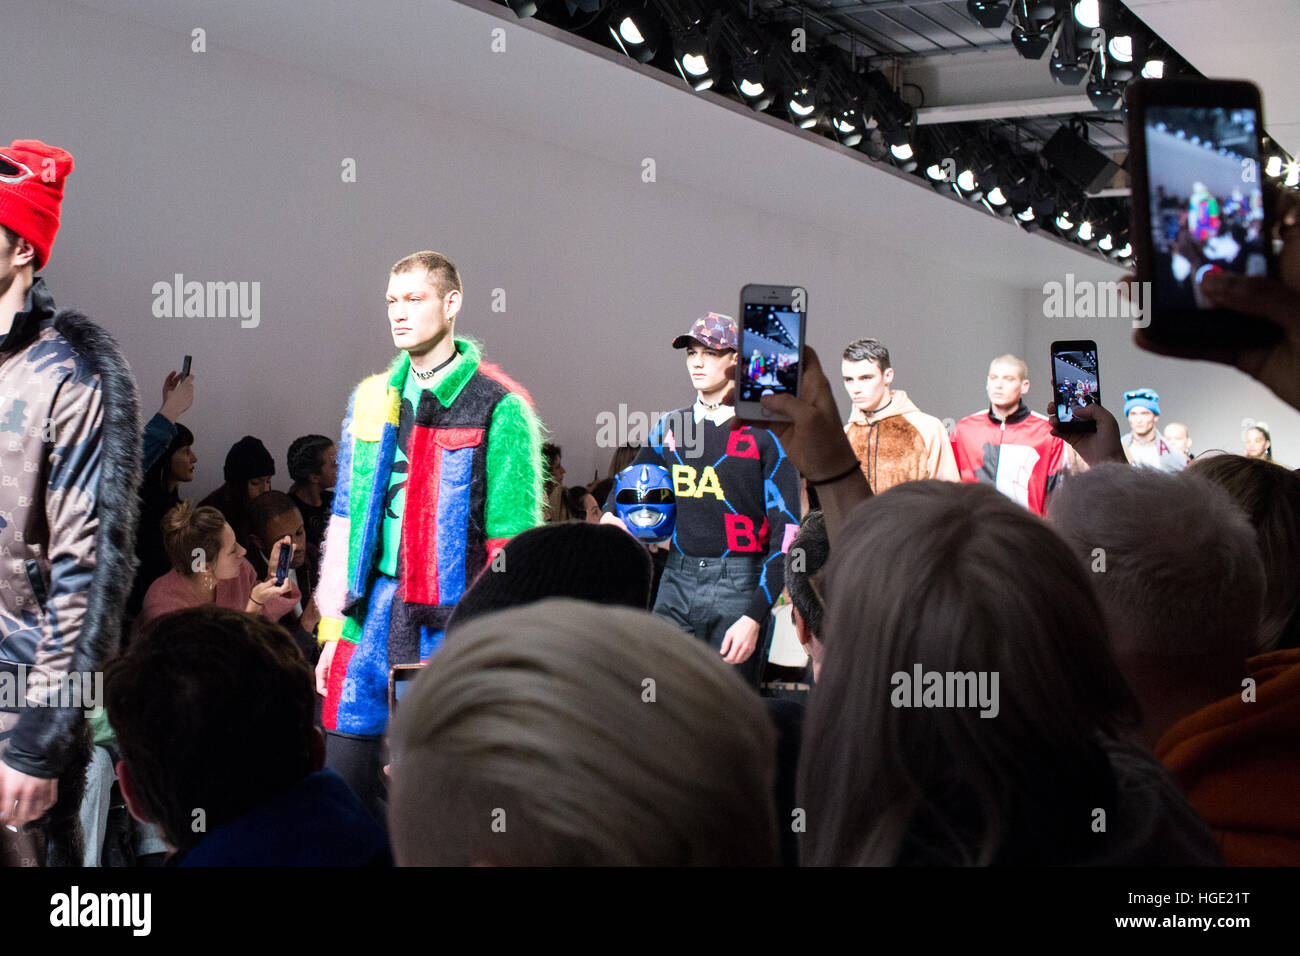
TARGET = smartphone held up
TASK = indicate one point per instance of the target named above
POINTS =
(1198, 204)
(770, 356)
(1076, 382)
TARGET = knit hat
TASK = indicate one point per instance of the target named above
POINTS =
(715, 330)
(31, 192)
(591, 562)
(1141, 398)
(248, 459)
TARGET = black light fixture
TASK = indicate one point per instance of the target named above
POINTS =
(636, 31)
(1105, 94)
(691, 54)
(988, 13)
(1069, 64)
(523, 9)
(1034, 29)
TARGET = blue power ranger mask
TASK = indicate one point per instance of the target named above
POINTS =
(644, 499)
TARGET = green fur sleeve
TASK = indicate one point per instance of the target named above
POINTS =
(514, 469)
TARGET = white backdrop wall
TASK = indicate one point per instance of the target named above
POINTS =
(226, 166)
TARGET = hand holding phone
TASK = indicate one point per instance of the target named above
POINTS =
(185, 366)
(769, 357)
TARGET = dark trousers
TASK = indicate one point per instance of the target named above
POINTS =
(705, 596)
(360, 762)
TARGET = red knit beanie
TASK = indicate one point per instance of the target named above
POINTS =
(31, 192)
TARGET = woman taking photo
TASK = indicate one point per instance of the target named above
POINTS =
(208, 567)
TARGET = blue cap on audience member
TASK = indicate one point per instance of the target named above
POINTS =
(1141, 398)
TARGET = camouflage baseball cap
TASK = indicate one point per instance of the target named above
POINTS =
(713, 329)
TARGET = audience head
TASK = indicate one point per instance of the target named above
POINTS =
(1008, 381)
(1270, 498)
(956, 580)
(199, 541)
(867, 373)
(313, 460)
(176, 464)
(572, 504)
(804, 561)
(213, 709)
(570, 734)
(249, 468)
(553, 471)
(1259, 443)
(1174, 561)
(271, 517)
(590, 562)
(1179, 437)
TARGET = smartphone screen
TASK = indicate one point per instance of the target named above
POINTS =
(1206, 199)
(770, 347)
(1075, 379)
(283, 563)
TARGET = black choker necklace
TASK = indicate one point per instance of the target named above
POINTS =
(433, 371)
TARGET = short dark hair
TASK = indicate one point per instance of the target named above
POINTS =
(307, 456)
(806, 557)
(10, 235)
(861, 350)
(213, 711)
(442, 272)
(265, 508)
(550, 452)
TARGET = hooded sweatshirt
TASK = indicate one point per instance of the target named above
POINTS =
(899, 443)
(1239, 762)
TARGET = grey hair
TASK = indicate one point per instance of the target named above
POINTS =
(1182, 574)
(565, 733)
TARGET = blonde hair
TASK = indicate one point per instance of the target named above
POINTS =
(567, 733)
(187, 529)
(1013, 360)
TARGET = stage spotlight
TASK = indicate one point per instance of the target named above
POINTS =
(1064, 223)
(1031, 46)
(803, 108)
(1154, 68)
(1106, 243)
(522, 8)
(847, 124)
(692, 60)
(1026, 214)
(995, 197)
(988, 13)
(1040, 9)
(936, 173)
(1292, 174)
(1121, 48)
(1273, 167)
(966, 181)
(636, 33)
(1088, 13)
(1085, 230)
(901, 151)
(747, 75)
(1125, 251)
(1070, 63)
(1105, 95)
